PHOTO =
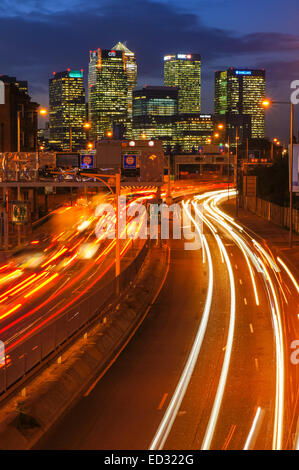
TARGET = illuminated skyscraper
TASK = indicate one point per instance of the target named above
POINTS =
(184, 71)
(131, 69)
(193, 130)
(154, 113)
(241, 92)
(108, 91)
(67, 110)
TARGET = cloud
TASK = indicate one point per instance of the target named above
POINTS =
(37, 39)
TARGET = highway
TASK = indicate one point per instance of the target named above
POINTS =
(210, 367)
(58, 269)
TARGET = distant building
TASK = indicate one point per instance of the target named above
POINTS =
(131, 70)
(67, 111)
(184, 71)
(235, 125)
(240, 91)
(108, 89)
(44, 136)
(17, 111)
(155, 110)
(193, 131)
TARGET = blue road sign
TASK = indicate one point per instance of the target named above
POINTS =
(86, 161)
(130, 162)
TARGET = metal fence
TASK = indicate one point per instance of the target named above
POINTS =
(274, 213)
(39, 345)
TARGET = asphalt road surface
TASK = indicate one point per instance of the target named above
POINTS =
(209, 367)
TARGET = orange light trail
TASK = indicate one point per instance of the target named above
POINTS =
(10, 311)
(41, 285)
(57, 255)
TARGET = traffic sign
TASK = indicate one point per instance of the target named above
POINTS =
(130, 162)
(86, 161)
(19, 212)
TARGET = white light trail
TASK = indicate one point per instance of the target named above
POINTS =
(173, 407)
(227, 357)
(254, 429)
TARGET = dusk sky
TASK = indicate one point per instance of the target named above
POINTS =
(39, 37)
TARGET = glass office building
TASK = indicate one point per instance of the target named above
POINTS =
(241, 92)
(184, 71)
(131, 70)
(67, 111)
(155, 110)
(108, 89)
(193, 131)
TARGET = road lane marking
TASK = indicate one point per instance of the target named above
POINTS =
(260, 266)
(162, 401)
(256, 361)
(177, 398)
(227, 357)
(280, 370)
(241, 282)
(251, 327)
(245, 301)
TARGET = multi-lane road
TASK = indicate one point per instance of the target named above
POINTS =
(210, 367)
(58, 269)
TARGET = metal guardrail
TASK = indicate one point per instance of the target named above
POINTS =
(37, 347)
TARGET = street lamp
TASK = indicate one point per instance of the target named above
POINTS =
(266, 103)
(87, 127)
(43, 112)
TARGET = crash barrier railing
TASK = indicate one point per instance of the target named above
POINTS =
(38, 346)
(274, 213)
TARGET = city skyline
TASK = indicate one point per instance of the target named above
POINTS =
(244, 40)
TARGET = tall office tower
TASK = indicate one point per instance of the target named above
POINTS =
(67, 111)
(193, 131)
(241, 92)
(184, 71)
(107, 91)
(131, 69)
(154, 113)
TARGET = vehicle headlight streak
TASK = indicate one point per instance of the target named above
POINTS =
(228, 224)
(227, 357)
(278, 334)
(277, 326)
(173, 407)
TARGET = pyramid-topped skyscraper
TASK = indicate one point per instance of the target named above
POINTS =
(131, 71)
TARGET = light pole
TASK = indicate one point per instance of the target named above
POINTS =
(236, 173)
(228, 167)
(266, 104)
(116, 192)
(87, 127)
(19, 131)
(42, 112)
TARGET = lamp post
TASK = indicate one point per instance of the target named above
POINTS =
(228, 166)
(42, 112)
(87, 126)
(236, 173)
(19, 131)
(266, 103)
